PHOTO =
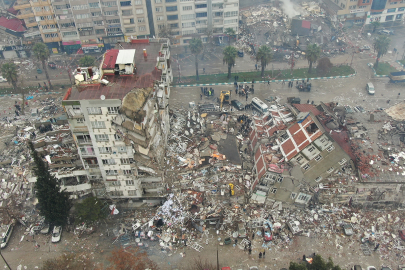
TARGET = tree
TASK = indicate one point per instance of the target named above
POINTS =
(9, 71)
(381, 47)
(54, 203)
(196, 48)
(130, 259)
(375, 25)
(230, 32)
(264, 56)
(41, 52)
(89, 211)
(324, 66)
(166, 32)
(312, 54)
(230, 54)
(77, 261)
(318, 263)
(87, 61)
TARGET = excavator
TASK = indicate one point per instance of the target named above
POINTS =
(224, 97)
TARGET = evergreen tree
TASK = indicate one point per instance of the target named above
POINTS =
(54, 203)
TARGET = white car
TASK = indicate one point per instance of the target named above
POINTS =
(2, 79)
(56, 234)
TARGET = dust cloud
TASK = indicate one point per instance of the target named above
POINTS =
(288, 8)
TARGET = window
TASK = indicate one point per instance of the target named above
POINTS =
(202, 31)
(172, 17)
(116, 193)
(98, 22)
(124, 161)
(94, 5)
(131, 192)
(185, 8)
(343, 161)
(230, 21)
(188, 24)
(330, 170)
(201, 6)
(114, 30)
(401, 9)
(113, 21)
(352, 7)
(109, 4)
(319, 178)
(121, 149)
(318, 158)
(105, 150)
(102, 137)
(80, 120)
(138, 2)
(293, 195)
(170, 1)
(127, 172)
(173, 8)
(125, 3)
(330, 148)
(80, 7)
(393, 3)
(188, 32)
(158, 1)
(160, 18)
(306, 167)
(69, 34)
(173, 25)
(129, 182)
(231, 13)
(100, 31)
(96, 14)
(390, 10)
(142, 28)
(97, 124)
(114, 183)
(141, 20)
(201, 14)
(362, 6)
(129, 30)
(131, 21)
(311, 149)
(111, 13)
(94, 110)
(139, 11)
(389, 18)
(109, 161)
(273, 190)
(82, 16)
(51, 35)
(126, 12)
(159, 9)
(343, 5)
(188, 17)
(280, 179)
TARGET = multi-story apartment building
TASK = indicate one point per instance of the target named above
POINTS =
(40, 19)
(121, 129)
(194, 17)
(366, 11)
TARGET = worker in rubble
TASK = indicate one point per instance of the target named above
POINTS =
(260, 255)
(250, 251)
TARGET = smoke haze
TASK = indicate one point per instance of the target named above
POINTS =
(288, 8)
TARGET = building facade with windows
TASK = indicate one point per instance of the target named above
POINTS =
(366, 11)
(121, 129)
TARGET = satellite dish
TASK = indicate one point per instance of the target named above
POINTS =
(102, 97)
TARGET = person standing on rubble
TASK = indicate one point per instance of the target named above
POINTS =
(201, 96)
(247, 96)
(260, 255)
(376, 247)
(253, 236)
(264, 253)
(250, 251)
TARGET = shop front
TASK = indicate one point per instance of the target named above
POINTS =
(71, 47)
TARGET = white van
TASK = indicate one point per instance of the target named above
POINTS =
(5, 234)
(370, 88)
(259, 105)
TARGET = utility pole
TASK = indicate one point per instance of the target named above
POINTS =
(351, 62)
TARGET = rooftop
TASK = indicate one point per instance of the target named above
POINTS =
(307, 108)
(13, 24)
(121, 85)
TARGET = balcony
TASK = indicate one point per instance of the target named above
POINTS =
(95, 171)
(47, 21)
(43, 13)
(41, 4)
(83, 141)
(53, 39)
(80, 129)
(25, 15)
(88, 154)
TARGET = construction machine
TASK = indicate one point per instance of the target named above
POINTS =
(224, 97)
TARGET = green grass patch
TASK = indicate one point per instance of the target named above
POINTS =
(402, 62)
(384, 69)
(255, 75)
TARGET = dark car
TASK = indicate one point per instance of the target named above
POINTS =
(52, 65)
(402, 234)
(237, 104)
(356, 267)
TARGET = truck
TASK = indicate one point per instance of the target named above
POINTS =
(293, 100)
(397, 76)
(304, 87)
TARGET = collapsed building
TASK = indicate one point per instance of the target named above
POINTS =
(118, 113)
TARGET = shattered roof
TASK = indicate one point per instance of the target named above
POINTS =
(13, 24)
(110, 57)
(133, 103)
(300, 27)
(397, 112)
(307, 108)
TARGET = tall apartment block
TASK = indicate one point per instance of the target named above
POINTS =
(97, 25)
(390, 12)
(118, 114)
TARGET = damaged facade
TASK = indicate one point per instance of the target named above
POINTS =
(118, 120)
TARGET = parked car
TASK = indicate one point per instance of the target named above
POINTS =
(348, 109)
(348, 229)
(237, 104)
(385, 268)
(371, 268)
(52, 65)
(365, 48)
(45, 228)
(2, 79)
(370, 88)
(56, 234)
(5, 233)
(402, 234)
